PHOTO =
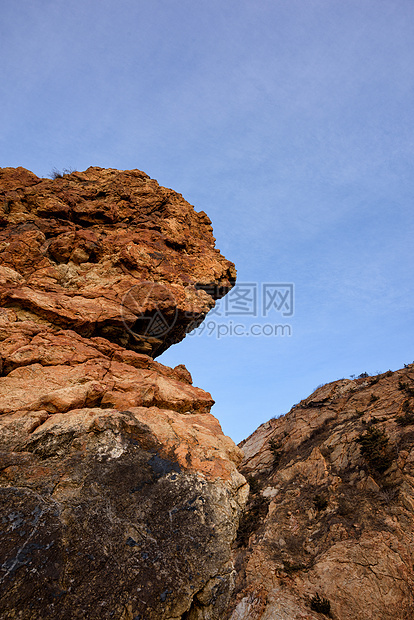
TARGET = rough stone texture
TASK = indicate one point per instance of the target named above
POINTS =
(120, 496)
(327, 517)
(99, 250)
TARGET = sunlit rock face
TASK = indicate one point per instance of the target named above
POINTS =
(107, 253)
(120, 496)
(330, 518)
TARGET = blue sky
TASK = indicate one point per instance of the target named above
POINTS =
(291, 123)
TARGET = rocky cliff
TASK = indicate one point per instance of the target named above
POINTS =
(107, 253)
(329, 526)
(120, 496)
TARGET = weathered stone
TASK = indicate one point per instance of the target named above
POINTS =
(120, 496)
(326, 518)
(107, 253)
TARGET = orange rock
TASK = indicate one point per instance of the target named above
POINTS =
(120, 495)
(107, 253)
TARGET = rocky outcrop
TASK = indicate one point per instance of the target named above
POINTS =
(329, 529)
(107, 253)
(120, 496)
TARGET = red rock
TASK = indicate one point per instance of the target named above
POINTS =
(107, 253)
(112, 473)
(120, 496)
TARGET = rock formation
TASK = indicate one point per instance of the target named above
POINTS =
(329, 526)
(120, 496)
(107, 253)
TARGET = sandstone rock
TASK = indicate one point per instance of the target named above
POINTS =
(120, 496)
(324, 517)
(107, 253)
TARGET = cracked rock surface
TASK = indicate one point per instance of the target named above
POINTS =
(331, 507)
(103, 251)
(120, 496)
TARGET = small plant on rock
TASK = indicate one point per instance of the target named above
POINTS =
(404, 387)
(275, 450)
(407, 417)
(57, 174)
(320, 604)
(375, 448)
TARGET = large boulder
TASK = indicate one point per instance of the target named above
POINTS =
(107, 253)
(120, 496)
